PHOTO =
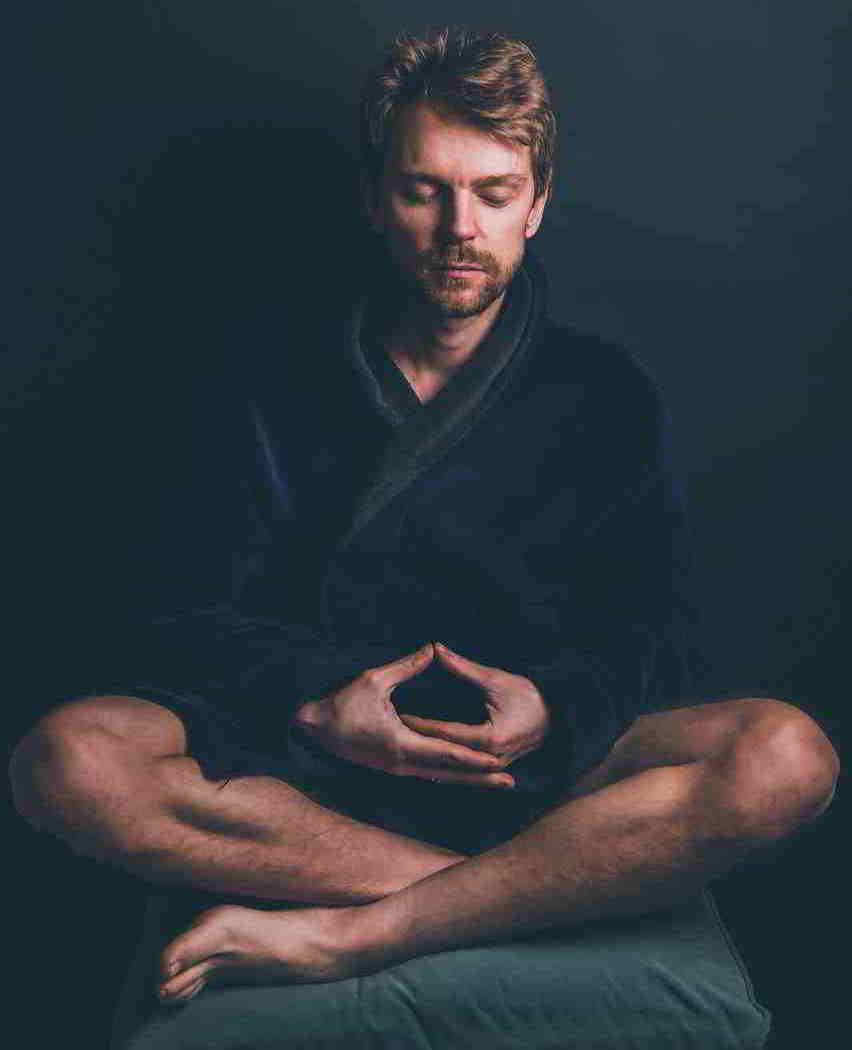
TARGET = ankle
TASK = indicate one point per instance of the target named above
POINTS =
(369, 935)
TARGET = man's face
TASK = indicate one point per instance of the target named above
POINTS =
(450, 193)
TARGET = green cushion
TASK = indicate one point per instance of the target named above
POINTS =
(672, 979)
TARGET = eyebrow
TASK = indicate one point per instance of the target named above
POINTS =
(510, 179)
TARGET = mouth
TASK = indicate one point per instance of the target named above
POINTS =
(459, 269)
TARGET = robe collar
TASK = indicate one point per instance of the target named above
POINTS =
(423, 433)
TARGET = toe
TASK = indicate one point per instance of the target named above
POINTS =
(180, 998)
(205, 938)
(191, 993)
(186, 984)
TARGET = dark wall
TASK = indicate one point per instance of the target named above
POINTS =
(171, 166)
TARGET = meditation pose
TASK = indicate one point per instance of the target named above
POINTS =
(446, 698)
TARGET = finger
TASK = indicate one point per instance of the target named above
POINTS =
(445, 731)
(444, 754)
(449, 776)
(406, 667)
(475, 736)
(463, 667)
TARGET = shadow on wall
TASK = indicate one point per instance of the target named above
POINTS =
(198, 239)
(193, 238)
(232, 218)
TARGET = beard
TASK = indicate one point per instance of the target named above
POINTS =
(449, 296)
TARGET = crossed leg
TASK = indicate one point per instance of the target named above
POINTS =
(110, 776)
(681, 798)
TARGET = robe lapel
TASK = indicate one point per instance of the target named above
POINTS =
(423, 434)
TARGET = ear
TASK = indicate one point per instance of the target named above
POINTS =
(536, 211)
(368, 202)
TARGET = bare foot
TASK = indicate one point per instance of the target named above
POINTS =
(235, 945)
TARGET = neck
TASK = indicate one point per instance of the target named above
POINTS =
(429, 350)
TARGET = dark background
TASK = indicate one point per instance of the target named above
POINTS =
(167, 164)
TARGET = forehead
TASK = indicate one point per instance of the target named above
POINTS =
(429, 140)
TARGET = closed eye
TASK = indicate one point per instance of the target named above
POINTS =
(418, 198)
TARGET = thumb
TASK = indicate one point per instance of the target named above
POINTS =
(406, 666)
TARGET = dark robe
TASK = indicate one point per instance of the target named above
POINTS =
(325, 522)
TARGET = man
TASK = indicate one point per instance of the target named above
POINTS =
(468, 513)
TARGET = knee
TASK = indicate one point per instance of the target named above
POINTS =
(781, 769)
(70, 765)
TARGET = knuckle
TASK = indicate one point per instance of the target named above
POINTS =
(520, 686)
(372, 677)
(496, 740)
(500, 744)
(489, 738)
(526, 687)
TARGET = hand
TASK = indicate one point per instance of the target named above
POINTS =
(359, 723)
(518, 719)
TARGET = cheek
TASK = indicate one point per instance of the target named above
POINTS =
(509, 229)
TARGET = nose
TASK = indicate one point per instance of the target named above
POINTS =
(458, 220)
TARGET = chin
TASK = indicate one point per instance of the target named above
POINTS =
(459, 302)
(471, 309)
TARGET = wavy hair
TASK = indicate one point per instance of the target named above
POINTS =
(487, 79)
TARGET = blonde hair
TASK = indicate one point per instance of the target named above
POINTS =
(490, 80)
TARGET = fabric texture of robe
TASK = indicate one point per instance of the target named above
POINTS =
(325, 522)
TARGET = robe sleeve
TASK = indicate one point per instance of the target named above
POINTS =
(632, 636)
(234, 668)
(193, 600)
(234, 679)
